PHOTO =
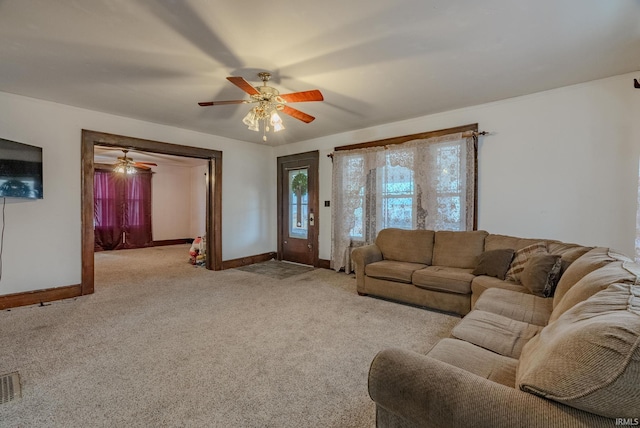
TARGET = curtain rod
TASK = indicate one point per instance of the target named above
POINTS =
(474, 134)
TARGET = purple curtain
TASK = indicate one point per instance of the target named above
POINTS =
(122, 206)
(137, 210)
(108, 197)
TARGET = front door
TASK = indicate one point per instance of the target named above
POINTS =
(298, 208)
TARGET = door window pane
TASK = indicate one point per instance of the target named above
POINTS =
(298, 203)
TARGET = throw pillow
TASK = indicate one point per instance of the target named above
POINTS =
(494, 263)
(541, 274)
(520, 259)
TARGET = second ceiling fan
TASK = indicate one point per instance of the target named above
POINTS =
(127, 165)
(270, 102)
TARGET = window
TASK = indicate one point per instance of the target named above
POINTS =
(418, 184)
(398, 196)
(449, 188)
(298, 203)
(392, 191)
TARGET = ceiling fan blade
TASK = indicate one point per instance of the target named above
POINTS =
(306, 118)
(243, 84)
(220, 103)
(145, 163)
(138, 165)
(297, 97)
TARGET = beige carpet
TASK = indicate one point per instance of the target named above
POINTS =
(163, 343)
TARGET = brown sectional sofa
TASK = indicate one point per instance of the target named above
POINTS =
(434, 269)
(517, 358)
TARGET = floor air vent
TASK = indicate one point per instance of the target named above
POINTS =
(9, 387)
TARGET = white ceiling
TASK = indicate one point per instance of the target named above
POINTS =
(375, 62)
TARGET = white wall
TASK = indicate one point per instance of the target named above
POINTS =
(42, 247)
(559, 164)
(171, 202)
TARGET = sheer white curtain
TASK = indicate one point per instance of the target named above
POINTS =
(420, 184)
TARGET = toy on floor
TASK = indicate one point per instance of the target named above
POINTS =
(197, 252)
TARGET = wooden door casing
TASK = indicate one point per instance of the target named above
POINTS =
(303, 251)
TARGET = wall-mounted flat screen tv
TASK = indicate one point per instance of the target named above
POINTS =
(20, 170)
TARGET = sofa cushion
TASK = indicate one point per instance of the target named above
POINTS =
(414, 246)
(495, 242)
(568, 252)
(482, 283)
(520, 259)
(441, 278)
(494, 263)
(458, 249)
(496, 333)
(540, 274)
(590, 261)
(589, 358)
(594, 282)
(515, 305)
(476, 360)
(569, 255)
(392, 270)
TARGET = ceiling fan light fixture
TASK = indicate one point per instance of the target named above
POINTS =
(276, 122)
(122, 169)
(126, 165)
(267, 112)
(269, 102)
(251, 120)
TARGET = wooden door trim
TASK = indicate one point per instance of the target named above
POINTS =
(213, 204)
(314, 202)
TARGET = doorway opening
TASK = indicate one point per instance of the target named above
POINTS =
(159, 200)
(213, 216)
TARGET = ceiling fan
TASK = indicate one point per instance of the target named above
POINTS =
(127, 165)
(270, 102)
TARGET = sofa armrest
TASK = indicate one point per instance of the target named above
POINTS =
(428, 392)
(361, 257)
